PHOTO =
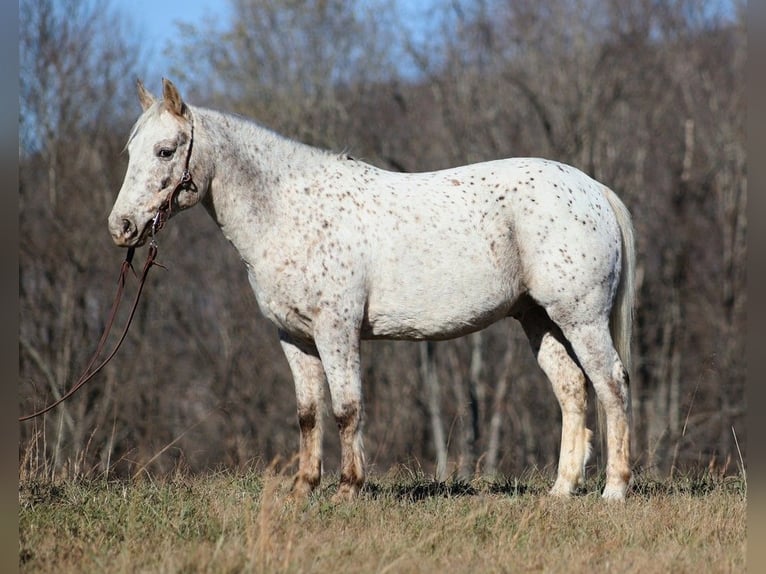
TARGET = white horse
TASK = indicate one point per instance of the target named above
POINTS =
(338, 251)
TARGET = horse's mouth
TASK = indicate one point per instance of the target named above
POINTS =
(143, 237)
(128, 242)
(126, 232)
(152, 227)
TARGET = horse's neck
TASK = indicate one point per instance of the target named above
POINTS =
(250, 162)
(242, 147)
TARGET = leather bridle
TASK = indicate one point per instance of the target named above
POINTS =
(184, 183)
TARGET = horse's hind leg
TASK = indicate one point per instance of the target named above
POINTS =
(568, 382)
(592, 343)
(308, 375)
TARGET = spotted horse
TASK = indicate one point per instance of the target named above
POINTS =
(338, 250)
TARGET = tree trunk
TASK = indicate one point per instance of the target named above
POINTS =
(498, 404)
(467, 408)
(431, 382)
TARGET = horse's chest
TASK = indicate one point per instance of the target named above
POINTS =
(293, 288)
(283, 301)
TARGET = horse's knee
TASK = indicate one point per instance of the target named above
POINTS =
(565, 375)
(611, 386)
(622, 383)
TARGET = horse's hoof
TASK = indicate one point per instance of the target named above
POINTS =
(346, 493)
(560, 492)
(301, 489)
(562, 488)
(614, 492)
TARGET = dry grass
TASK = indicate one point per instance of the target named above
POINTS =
(403, 523)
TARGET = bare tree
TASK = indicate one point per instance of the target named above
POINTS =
(647, 97)
(71, 77)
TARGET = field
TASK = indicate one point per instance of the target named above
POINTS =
(403, 522)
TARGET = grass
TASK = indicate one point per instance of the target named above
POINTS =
(403, 522)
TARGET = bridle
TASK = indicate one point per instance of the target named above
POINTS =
(185, 182)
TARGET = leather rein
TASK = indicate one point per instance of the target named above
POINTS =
(163, 214)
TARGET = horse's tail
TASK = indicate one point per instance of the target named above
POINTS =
(621, 318)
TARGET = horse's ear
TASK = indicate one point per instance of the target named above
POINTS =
(173, 101)
(146, 98)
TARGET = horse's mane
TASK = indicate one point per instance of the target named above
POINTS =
(156, 109)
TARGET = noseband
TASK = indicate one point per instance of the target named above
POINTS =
(184, 183)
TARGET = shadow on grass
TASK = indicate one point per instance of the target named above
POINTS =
(420, 490)
(406, 486)
(36, 492)
(699, 485)
(414, 489)
(424, 488)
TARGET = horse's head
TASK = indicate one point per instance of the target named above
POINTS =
(161, 177)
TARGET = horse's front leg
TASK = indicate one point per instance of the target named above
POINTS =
(308, 375)
(339, 349)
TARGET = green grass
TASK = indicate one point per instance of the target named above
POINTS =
(403, 522)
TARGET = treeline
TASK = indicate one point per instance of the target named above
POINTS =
(647, 97)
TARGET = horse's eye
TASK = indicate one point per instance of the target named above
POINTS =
(166, 152)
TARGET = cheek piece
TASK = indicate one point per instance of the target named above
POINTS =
(185, 183)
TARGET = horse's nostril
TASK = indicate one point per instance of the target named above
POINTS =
(128, 229)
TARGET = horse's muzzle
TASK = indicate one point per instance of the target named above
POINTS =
(124, 231)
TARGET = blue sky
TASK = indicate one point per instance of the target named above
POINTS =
(156, 23)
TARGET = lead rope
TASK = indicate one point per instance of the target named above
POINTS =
(88, 374)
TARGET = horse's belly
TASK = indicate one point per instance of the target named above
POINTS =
(441, 279)
(428, 325)
(417, 309)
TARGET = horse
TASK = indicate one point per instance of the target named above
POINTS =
(338, 250)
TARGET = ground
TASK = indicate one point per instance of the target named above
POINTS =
(403, 522)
